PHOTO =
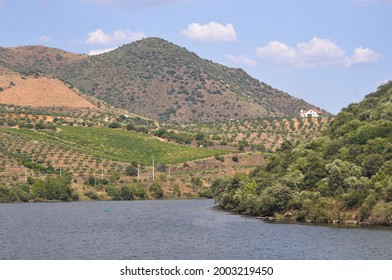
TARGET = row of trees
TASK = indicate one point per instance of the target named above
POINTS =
(51, 188)
(59, 188)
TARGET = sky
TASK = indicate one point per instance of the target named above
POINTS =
(328, 53)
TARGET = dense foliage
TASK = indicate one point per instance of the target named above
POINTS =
(346, 174)
(52, 188)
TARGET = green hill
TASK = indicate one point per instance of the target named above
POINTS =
(343, 176)
(159, 80)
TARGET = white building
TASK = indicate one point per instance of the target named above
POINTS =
(312, 113)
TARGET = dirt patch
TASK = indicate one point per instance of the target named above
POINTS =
(42, 92)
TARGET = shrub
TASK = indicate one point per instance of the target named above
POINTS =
(7, 195)
(127, 193)
(131, 171)
(92, 194)
(274, 199)
(156, 190)
(115, 125)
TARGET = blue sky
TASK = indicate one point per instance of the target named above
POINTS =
(329, 53)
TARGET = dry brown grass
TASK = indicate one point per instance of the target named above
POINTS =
(41, 92)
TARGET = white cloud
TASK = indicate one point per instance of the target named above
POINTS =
(99, 37)
(44, 38)
(364, 55)
(316, 52)
(120, 36)
(240, 59)
(320, 52)
(97, 52)
(278, 53)
(211, 32)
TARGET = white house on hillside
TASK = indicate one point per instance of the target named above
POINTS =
(312, 113)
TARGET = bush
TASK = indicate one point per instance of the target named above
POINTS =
(92, 194)
(206, 193)
(127, 193)
(274, 199)
(7, 195)
(131, 171)
(114, 192)
(156, 190)
(115, 125)
(220, 158)
(54, 188)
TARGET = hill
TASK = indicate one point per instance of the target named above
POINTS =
(39, 91)
(28, 60)
(343, 176)
(159, 80)
(96, 161)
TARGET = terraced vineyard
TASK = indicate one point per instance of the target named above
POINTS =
(84, 151)
(263, 134)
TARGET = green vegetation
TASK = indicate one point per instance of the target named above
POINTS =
(52, 188)
(119, 145)
(128, 146)
(344, 175)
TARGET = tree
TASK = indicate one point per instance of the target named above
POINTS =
(274, 199)
(372, 164)
(115, 124)
(131, 171)
(156, 190)
(127, 193)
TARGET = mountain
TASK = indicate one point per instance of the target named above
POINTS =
(159, 80)
(343, 176)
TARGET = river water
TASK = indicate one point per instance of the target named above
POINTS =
(172, 229)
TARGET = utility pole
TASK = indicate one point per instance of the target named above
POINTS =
(153, 167)
(138, 172)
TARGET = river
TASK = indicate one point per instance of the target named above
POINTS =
(173, 229)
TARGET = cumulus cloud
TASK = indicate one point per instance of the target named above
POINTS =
(211, 32)
(240, 59)
(120, 36)
(316, 52)
(278, 53)
(364, 55)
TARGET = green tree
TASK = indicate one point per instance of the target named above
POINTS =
(156, 190)
(274, 199)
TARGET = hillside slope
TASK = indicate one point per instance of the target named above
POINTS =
(344, 176)
(39, 92)
(159, 80)
(36, 59)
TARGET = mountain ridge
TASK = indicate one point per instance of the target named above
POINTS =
(159, 80)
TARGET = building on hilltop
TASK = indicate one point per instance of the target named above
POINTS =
(310, 113)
